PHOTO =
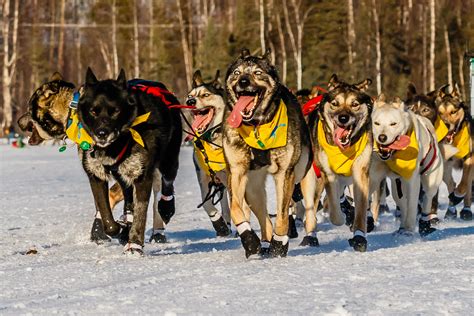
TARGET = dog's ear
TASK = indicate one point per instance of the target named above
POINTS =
(333, 82)
(456, 93)
(244, 53)
(56, 76)
(267, 54)
(197, 79)
(432, 94)
(381, 97)
(90, 77)
(442, 91)
(363, 85)
(216, 83)
(122, 79)
(411, 91)
(399, 104)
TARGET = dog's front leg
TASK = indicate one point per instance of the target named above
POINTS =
(310, 187)
(100, 192)
(331, 184)
(466, 184)
(141, 195)
(361, 198)
(284, 184)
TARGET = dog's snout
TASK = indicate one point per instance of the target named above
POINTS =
(191, 102)
(102, 133)
(244, 82)
(382, 138)
(343, 118)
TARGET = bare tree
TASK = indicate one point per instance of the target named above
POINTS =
(351, 35)
(61, 36)
(10, 58)
(448, 56)
(136, 51)
(432, 44)
(114, 37)
(261, 9)
(284, 67)
(378, 48)
(424, 59)
(185, 46)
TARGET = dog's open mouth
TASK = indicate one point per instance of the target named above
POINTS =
(342, 136)
(244, 108)
(450, 136)
(400, 143)
(203, 118)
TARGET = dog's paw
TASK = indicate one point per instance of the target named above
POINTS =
(97, 232)
(221, 227)
(424, 228)
(123, 235)
(158, 238)
(359, 243)
(383, 208)
(348, 210)
(250, 242)
(311, 241)
(264, 249)
(466, 214)
(166, 209)
(133, 249)
(292, 231)
(451, 213)
(370, 224)
(279, 246)
(455, 199)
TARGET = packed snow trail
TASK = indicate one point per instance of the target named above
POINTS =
(45, 202)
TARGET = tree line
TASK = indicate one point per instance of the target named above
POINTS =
(392, 42)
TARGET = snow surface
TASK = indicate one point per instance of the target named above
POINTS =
(45, 201)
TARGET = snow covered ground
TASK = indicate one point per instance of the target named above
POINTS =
(45, 201)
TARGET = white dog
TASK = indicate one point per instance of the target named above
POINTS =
(406, 150)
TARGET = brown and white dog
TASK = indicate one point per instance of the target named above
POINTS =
(343, 147)
(455, 115)
(406, 151)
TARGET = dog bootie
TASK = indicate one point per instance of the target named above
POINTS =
(292, 231)
(279, 246)
(358, 242)
(370, 223)
(97, 232)
(451, 213)
(455, 199)
(158, 236)
(250, 242)
(310, 240)
(220, 226)
(348, 209)
(424, 227)
(166, 209)
(466, 214)
(383, 208)
(265, 249)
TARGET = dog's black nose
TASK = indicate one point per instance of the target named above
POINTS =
(382, 138)
(343, 118)
(101, 133)
(244, 82)
(191, 102)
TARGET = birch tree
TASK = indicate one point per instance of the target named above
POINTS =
(261, 9)
(432, 44)
(185, 46)
(448, 55)
(351, 35)
(61, 36)
(10, 38)
(136, 51)
(114, 38)
(378, 48)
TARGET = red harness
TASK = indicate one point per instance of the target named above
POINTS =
(433, 157)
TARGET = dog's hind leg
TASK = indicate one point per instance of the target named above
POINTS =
(284, 184)
(256, 197)
(311, 195)
(158, 232)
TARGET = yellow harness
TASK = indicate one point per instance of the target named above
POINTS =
(403, 162)
(215, 156)
(441, 129)
(341, 161)
(75, 130)
(462, 141)
(270, 135)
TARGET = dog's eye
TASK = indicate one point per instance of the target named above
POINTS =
(236, 72)
(334, 103)
(393, 123)
(190, 97)
(355, 104)
(258, 72)
(425, 110)
(454, 112)
(113, 111)
(206, 95)
(95, 111)
(376, 123)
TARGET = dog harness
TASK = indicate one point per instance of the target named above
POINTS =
(270, 135)
(215, 156)
(440, 128)
(462, 141)
(341, 161)
(75, 130)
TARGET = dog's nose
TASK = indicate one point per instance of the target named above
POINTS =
(191, 102)
(244, 82)
(101, 133)
(343, 118)
(382, 138)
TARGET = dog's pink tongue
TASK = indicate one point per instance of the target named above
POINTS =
(338, 134)
(401, 143)
(199, 120)
(235, 117)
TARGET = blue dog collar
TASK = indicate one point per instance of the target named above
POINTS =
(75, 100)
